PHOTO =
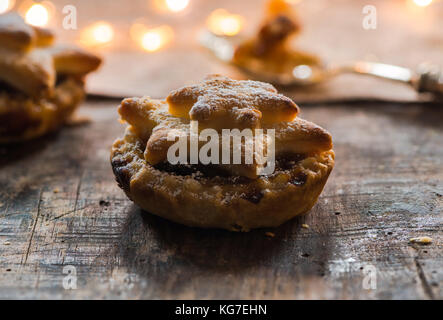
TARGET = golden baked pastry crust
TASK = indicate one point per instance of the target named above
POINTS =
(44, 37)
(236, 203)
(73, 60)
(228, 196)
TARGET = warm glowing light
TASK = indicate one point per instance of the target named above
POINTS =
(156, 38)
(177, 5)
(422, 3)
(222, 22)
(171, 5)
(6, 5)
(152, 41)
(302, 72)
(99, 33)
(137, 31)
(37, 15)
(103, 33)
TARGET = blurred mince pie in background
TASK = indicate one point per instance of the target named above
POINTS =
(41, 84)
(270, 50)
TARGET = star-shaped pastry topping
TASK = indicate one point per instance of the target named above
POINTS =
(222, 103)
(153, 120)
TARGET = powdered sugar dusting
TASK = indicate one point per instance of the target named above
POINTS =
(240, 104)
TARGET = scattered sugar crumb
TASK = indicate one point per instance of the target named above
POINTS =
(306, 226)
(78, 120)
(270, 234)
(421, 240)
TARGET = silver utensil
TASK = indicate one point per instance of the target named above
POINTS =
(427, 77)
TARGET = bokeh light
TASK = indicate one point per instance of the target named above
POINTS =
(177, 5)
(156, 38)
(103, 32)
(171, 5)
(422, 3)
(37, 15)
(6, 5)
(99, 33)
(221, 22)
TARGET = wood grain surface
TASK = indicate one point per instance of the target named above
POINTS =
(60, 206)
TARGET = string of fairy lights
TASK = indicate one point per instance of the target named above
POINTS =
(150, 39)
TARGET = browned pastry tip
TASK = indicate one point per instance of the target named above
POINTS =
(275, 8)
(273, 33)
(15, 34)
(300, 136)
(73, 60)
(44, 37)
(143, 114)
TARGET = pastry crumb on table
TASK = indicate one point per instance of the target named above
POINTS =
(78, 120)
(421, 240)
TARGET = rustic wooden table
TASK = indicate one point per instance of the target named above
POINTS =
(61, 211)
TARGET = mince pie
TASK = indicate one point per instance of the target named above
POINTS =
(41, 84)
(221, 194)
(270, 50)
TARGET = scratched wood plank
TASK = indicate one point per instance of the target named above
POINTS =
(60, 206)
